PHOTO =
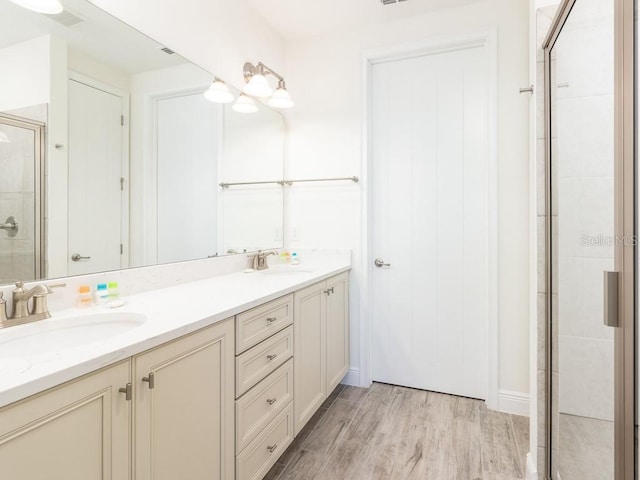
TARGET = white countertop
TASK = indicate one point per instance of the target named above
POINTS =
(171, 313)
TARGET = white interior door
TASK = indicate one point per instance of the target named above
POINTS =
(187, 149)
(430, 222)
(95, 170)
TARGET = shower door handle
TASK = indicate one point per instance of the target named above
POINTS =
(611, 299)
(11, 226)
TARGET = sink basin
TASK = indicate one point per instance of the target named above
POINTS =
(286, 270)
(65, 333)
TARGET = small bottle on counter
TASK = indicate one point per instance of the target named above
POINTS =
(114, 293)
(102, 294)
(294, 258)
(84, 296)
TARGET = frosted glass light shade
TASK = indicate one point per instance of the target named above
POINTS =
(4, 138)
(218, 92)
(281, 99)
(245, 104)
(50, 7)
(258, 86)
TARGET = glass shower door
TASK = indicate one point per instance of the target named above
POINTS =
(584, 242)
(20, 212)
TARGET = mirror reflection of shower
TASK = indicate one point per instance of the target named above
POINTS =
(21, 163)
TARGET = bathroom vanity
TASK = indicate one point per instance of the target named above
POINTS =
(215, 383)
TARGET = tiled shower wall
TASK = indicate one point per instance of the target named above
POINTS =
(584, 138)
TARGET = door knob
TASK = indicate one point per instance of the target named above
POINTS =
(380, 263)
(76, 257)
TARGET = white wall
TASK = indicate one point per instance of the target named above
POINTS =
(325, 140)
(24, 81)
(219, 35)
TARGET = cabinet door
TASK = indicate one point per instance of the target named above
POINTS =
(337, 329)
(309, 353)
(78, 431)
(184, 405)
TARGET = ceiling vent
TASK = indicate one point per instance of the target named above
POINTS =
(168, 51)
(66, 18)
(391, 2)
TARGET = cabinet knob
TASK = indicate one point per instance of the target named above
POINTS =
(272, 448)
(271, 401)
(271, 319)
(127, 390)
(272, 356)
(151, 380)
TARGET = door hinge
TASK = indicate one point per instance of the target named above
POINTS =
(122, 120)
(122, 184)
(121, 249)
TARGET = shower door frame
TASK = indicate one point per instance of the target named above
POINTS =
(625, 228)
(38, 129)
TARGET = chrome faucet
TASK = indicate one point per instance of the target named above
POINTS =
(20, 312)
(259, 260)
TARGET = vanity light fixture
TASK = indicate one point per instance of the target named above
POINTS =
(245, 104)
(49, 7)
(281, 98)
(258, 86)
(219, 92)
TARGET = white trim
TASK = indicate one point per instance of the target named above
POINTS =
(515, 403)
(532, 471)
(487, 38)
(125, 156)
(352, 377)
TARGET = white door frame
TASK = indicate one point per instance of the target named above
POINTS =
(488, 39)
(124, 212)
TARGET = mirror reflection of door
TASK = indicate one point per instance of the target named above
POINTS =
(95, 237)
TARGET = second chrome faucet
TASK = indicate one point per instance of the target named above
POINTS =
(259, 260)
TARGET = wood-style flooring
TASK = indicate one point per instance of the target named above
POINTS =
(395, 433)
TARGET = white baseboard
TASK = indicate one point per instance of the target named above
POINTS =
(516, 403)
(352, 377)
(532, 471)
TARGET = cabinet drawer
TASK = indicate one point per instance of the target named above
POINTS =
(262, 403)
(254, 462)
(260, 323)
(255, 364)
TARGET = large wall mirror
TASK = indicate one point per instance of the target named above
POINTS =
(111, 157)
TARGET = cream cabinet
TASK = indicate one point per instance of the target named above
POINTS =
(77, 431)
(337, 330)
(184, 405)
(321, 344)
(264, 387)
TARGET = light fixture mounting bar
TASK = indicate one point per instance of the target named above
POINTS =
(250, 70)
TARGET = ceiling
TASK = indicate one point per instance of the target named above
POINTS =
(299, 19)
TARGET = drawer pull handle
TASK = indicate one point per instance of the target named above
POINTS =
(272, 448)
(151, 380)
(271, 357)
(271, 401)
(127, 391)
(329, 291)
(271, 319)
